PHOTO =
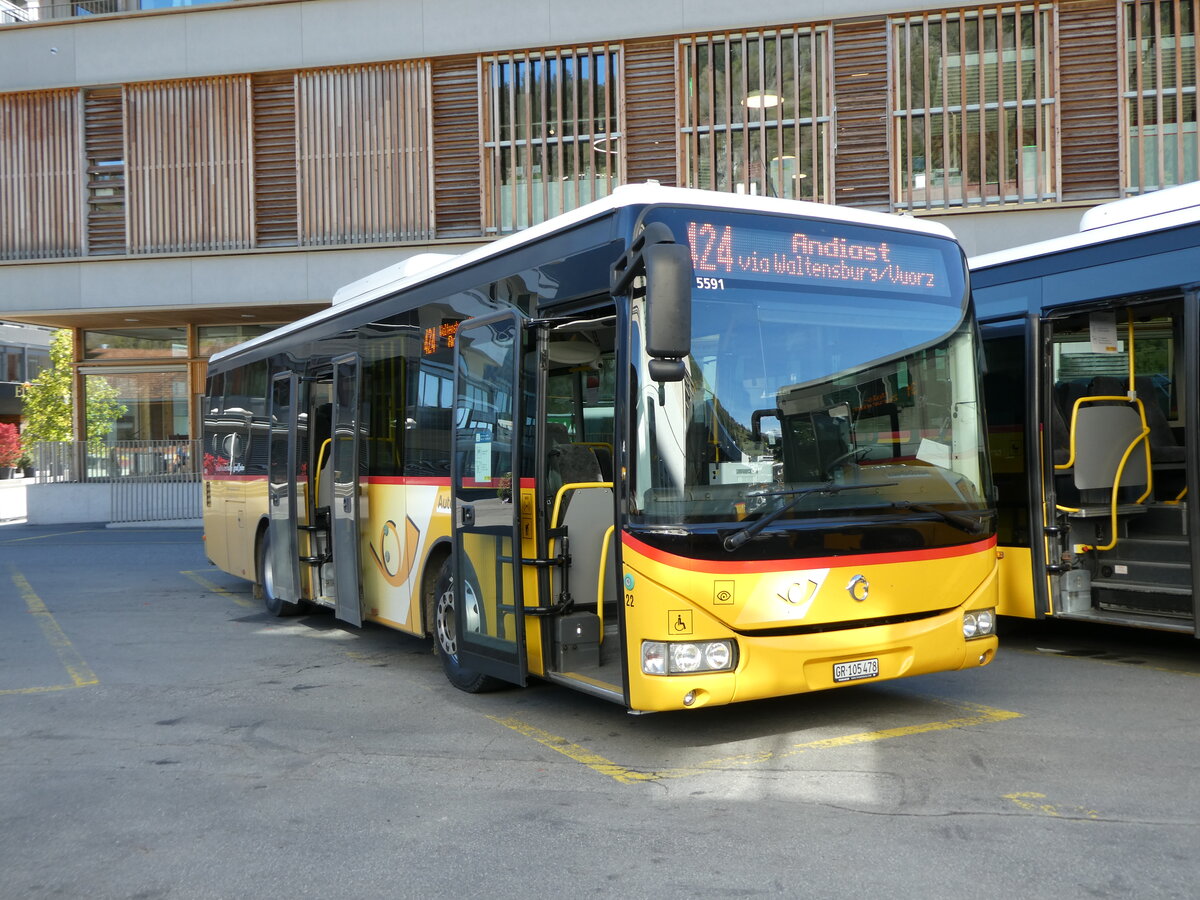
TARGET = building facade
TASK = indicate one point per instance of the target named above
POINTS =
(174, 180)
(24, 352)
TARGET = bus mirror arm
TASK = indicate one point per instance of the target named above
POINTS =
(756, 418)
(668, 269)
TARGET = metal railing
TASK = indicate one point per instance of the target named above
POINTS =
(151, 481)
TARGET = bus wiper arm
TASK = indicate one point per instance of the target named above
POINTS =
(962, 521)
(735, 540)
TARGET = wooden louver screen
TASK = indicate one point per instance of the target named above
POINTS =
(651, 133)
(458, 197)
(1088, 101)
(975, 107)
(860, 74)
(276, 214)
(189, 165)
(39, 175)
(756, 112)
(1158, 93)
(104, 153)
(364, 154)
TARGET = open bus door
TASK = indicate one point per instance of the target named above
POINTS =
(486, 479)
(345, 488)
(282, 562)
(1120, 455)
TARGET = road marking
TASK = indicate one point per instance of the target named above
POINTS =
(1024, 800)
(217, 589)
(977, 715)
(81, 675)
(42, 537)
(593, 761)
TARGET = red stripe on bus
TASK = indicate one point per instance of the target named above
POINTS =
(441, 481)
(820, 562)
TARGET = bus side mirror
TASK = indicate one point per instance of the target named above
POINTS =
(668, 309)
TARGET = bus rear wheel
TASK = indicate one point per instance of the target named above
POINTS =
(266, 579)
(445, 629)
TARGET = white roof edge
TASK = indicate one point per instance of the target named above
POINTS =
(394, 278)
(1144, 214)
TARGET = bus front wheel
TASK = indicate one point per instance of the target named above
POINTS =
(266, 579)
(445, 629)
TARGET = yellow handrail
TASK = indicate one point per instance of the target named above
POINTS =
(572, 487)
(604, 550)
(1120, 470)
(320, 465)
(1141, 438)
(600, 578)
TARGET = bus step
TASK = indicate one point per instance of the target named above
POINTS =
(1144, 572)
(1140, 587)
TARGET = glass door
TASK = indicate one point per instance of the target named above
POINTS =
(344, 505)
(487, 549)
(281, 491)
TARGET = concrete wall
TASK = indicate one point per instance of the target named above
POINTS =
(56, 504)
(99, 285)
(995, 229)
(246, 37)
(12, 499)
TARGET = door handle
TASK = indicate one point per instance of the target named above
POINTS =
(466, 516)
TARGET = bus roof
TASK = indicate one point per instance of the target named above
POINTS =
(426, 267)
(1144, 214)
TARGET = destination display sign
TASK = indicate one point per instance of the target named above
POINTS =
(804, 256)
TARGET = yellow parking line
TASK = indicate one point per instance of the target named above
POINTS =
(593, 761)
(217, 589)
(1025, 800)
(81, 675)
(977, 715)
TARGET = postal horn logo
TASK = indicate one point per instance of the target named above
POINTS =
(858, 588)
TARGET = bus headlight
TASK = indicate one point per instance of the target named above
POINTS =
(687, 657)
(979, 623)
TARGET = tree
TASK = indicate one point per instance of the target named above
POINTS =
(49, 400)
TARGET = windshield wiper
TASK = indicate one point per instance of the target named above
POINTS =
(962, 521)
(735, 540)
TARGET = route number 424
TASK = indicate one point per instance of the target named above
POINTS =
(709, 284)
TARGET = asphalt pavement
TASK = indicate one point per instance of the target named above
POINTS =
(161, 736)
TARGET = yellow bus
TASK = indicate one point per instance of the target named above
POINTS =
(672, 449)
(1093, 368)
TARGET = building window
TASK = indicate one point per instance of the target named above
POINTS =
(149, 405)
(135, 343)
(1159, 94)
(756, 112)
(212, 339)
(551, 133)
(974, 110)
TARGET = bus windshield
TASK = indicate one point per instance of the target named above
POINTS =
(832, 372)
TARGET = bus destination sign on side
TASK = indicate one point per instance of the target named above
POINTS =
(796, 256)
(440, 337)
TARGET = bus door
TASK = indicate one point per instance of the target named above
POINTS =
(579, 512)
(281, 489)
(1012, 375)
(344, 472)
(486, 479)
(1118, 454)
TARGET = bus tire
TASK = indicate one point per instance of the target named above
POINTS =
(445, 631)
(266, 580)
